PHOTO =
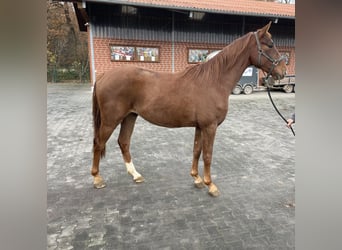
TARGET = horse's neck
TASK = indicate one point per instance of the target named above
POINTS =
(236, 64)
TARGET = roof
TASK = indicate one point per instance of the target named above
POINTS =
(233, 7)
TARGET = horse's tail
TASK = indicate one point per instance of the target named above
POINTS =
(97, 123)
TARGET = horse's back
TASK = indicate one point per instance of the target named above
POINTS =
(127, 77)
(129, 84)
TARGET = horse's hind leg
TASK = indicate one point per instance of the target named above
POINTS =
(126, 130)
(105, 132)
(196, 155)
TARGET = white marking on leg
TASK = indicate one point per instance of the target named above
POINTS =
(132, 171)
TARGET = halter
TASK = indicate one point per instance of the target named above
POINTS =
(274, 62)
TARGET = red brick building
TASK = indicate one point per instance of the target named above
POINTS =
(169, 35)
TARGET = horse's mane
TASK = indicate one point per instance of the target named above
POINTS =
(209, 71)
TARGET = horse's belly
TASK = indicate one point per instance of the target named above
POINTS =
(171, 118)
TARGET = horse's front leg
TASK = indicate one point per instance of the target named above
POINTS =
(208, 136)
(196, 155)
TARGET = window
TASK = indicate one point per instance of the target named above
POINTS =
(287, 54)
(197, 55)
(133, 53)
(119, 53)
(148, 54)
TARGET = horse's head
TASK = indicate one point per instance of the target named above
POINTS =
(266, 56)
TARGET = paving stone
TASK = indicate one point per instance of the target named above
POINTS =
(253, 166)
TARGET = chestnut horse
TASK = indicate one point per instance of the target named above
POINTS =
(195, 97)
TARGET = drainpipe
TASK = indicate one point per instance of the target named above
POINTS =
(173, 43)
(92, 57)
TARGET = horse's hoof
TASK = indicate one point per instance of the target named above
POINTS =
(139, 179)
(99, 185)
(213, 191)
(98, 182)
(199, 184)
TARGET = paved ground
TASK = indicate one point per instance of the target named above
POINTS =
(253, 166)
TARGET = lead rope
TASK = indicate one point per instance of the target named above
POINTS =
(269, 94)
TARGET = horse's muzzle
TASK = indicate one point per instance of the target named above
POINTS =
(278, 76)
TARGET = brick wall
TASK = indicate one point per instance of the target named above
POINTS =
(103, 60)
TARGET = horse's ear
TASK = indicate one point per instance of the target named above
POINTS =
(264, 30)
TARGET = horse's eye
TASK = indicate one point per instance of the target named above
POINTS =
(271, 44)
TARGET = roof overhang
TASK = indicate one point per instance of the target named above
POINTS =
(196, 9)
(200, 7)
